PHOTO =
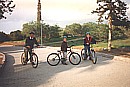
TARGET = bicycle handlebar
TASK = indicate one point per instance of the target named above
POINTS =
(71, 46)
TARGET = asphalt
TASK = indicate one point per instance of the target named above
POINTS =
(108, 72)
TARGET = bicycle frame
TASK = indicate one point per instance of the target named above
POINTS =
(68, 52)
(91, 49)
(28, 55)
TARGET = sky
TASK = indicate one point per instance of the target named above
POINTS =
(60, 12)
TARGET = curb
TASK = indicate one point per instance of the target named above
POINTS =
(119, 58)
(2, 59)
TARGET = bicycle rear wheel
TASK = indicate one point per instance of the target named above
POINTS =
(74, 58)
(34, 60)
(23, 59)
(93, 57)
(53, 59)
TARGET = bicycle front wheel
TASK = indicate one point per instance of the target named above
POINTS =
(23, 59)
(74, 58)
(34, 60)
(93, 57)
(53, 59)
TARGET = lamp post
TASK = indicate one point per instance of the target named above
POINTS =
(41, 31)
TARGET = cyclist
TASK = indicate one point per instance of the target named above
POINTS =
(64, 47)
(87, 41)
(29, 45)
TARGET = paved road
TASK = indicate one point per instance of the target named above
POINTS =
(106, 73)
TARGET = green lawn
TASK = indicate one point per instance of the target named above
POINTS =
(78, 42)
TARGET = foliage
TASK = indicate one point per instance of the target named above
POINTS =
(16, 35)
(116, 15)
(4, 37)
(47, 30)
(74, 29)
(6, 7)
(115, 9)
(118, 33)
(53, 33)
(99, 32)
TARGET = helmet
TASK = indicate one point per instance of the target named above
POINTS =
(64, 36)
(88, 33)
(32, 32)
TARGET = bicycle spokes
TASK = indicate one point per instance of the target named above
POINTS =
(53, 59)
(74, 58)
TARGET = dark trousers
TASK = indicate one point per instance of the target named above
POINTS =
(87, 50)
(26, 51)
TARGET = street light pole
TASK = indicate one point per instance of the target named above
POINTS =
(41, 31)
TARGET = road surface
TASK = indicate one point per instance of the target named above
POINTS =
(106, 73)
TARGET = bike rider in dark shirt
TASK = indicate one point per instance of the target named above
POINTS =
(29, 45)
(64, 47)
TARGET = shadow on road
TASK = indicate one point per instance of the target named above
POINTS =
(10, 49)
(26, 76)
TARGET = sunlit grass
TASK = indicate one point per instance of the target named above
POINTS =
(98, 47)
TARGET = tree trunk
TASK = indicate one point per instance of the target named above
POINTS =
(109, 39)
(110, 34)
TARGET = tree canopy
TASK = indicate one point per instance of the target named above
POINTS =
(6, 6)
(114, 10)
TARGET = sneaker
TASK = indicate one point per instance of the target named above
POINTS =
(64, 63)
(84, 58)
(89, 58)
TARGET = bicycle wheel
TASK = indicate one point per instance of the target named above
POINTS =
(34, 60)
(53, 59)
(74, 58)
(93, 57)
(83, 54)
(23, 59)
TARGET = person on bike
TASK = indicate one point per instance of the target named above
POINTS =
(64, 47)
(29, 45)
(87, 41)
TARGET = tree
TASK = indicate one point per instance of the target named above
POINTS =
(99, 32)
(116, 13)
(4, 37)
(118, 33)
(16, 35)
(74, 29)
(48, 31)
(6, 7)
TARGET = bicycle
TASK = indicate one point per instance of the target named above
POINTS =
(93, 56)
(34, 59)
(54, 59)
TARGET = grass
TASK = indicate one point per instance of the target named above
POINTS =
(99, 46)
(78, 42)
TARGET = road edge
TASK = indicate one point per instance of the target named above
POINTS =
(119, 58)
